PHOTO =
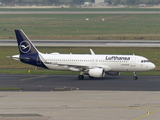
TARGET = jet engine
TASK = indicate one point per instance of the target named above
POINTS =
(113, 73)
(96, 72)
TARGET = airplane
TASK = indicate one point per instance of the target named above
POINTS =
(93, 65)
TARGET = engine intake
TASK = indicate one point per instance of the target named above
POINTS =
(96, 72)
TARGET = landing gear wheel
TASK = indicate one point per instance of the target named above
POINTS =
(80, 77)
(135, 77)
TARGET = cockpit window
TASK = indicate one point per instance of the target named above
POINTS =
(144, 61)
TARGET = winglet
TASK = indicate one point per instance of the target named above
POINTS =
(92, 52)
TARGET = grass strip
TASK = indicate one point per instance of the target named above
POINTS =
(45, 72)
(75, 27)
(7, 88)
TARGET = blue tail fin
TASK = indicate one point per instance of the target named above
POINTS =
(28, 52)
(24, 44)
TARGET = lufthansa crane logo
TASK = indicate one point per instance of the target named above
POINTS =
(25, 47)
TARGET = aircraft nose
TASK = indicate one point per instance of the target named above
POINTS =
(152, 66)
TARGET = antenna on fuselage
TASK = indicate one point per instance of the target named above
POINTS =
(92, 52)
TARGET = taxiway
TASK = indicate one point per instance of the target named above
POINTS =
(78, 12)
(88, 43)
(55, 82)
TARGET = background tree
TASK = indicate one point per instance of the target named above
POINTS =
(125, 2)
(130, 2)
(78, 1)
(54, 2)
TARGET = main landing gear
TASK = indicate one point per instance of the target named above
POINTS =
(80, 77)
(135, 76)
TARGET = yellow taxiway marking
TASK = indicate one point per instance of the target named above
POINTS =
(126, 107)
(32, 78)
(148, 112)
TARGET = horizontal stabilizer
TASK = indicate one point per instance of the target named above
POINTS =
(15, 57)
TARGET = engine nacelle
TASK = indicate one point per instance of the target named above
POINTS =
(113, 73)
(96, 72)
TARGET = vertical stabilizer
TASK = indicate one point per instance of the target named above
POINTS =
(28, 52)
(24, 44)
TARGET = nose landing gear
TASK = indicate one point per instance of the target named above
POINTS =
(135, 76)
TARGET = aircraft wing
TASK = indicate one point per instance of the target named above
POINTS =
(80, 67)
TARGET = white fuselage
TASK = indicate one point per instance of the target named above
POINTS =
(107, 62)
